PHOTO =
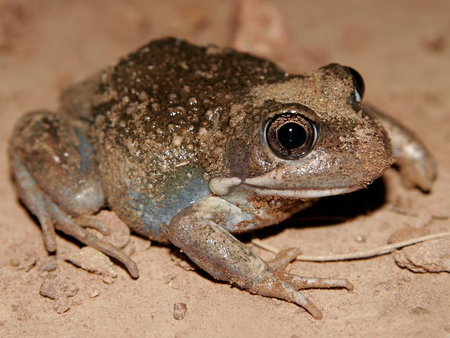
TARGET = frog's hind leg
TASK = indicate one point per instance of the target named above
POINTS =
(415, 162)
(32, 197)
(58, 180)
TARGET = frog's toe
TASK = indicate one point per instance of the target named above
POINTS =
(299, 282)
(72, 228)
(282, 260)
(420, 172)
(274, 285)
(88, 221)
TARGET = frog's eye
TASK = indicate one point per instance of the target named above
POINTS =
(290, 135)
(358, 83)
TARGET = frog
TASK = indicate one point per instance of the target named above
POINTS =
(192, 146)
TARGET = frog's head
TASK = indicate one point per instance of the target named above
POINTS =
(306, 137)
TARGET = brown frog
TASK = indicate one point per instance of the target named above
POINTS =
(189, 145)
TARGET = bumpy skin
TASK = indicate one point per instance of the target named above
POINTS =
(173, 139)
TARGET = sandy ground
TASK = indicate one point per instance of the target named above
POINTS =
(402, 48)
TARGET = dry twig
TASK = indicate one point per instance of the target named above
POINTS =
(355, 255)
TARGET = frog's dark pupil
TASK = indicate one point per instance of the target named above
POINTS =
(291, 135)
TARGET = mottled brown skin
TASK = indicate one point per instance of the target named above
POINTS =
(174, 140)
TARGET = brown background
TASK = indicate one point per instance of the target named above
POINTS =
(402, 48)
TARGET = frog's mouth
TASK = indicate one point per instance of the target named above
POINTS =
(273, 184)
(224, 186)
(302, 193)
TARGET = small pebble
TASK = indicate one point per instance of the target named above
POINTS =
(108, 280)
(14, 262)
(54, 287)
(361, 239)
(92, 260)
(61, 305)
(179, 311)
(94, 293)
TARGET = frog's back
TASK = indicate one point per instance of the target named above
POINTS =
(157, 122)
(169, 72)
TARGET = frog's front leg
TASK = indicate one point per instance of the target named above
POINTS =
(416, 164)
(58, 180)
(199, 231)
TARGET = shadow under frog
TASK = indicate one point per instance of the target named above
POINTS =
(189, 145)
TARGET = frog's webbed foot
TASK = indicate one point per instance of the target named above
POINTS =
(224, 257)
(58, 180)
(416, 164)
